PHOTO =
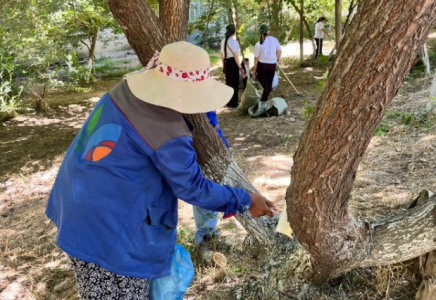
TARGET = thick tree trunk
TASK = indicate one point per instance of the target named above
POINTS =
(174, 15)
(143, 29)
(373, 60)
(338, 22)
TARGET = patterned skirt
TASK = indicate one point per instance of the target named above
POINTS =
(96, 283)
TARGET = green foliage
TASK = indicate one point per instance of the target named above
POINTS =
(9, 97)
(37, 34)
(76, 72)
(186, 238)
(420, 119)
(307, 109)
(382, 128)
(407, 118)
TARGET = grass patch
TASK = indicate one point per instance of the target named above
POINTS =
(382, 129)
(186, 237)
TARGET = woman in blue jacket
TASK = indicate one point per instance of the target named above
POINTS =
(114, 200)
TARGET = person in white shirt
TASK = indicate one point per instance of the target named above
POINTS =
(267, 52)
(319, 35)
(231, 63)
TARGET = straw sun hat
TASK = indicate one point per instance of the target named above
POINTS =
(181, 81)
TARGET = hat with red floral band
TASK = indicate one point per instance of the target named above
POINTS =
(180, 80)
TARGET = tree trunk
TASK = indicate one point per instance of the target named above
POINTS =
(302, 31)
(426, 59)
(371, 65)
(92, 53)
(92, 49)
(235, 19)
(206, 28)
(338, 22)
(143, 29)
(353, 5)
(174, 15)
(275, 22)
(301, 13)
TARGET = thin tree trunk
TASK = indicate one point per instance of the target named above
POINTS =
(206, 28)
(92, 49)
(353, 5)
(362, 81)
(301, 31)
(301, 13)
(426, 59)
(275, 24)
(92, 53)
(234, 8)
(338, 22)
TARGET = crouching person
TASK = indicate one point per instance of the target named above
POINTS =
(114, 200)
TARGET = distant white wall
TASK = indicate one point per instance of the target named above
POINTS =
(107, 45)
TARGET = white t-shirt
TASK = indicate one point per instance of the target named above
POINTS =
(267, 52)
(232, 46)
(319, 33)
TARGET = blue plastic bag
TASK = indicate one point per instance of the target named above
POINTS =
(174, 286)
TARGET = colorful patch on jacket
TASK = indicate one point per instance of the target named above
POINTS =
(100, 143)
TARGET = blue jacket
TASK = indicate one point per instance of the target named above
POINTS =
(114, 200)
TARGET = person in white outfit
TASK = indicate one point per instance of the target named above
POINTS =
(267, 53)
(319, 35)
(231, 63)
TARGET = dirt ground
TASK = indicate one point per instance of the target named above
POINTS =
(399, 163)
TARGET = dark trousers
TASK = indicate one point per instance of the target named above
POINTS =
(318, 48)
(232, 80)
(265, 76)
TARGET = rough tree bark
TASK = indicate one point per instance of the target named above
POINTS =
(374, 58)
(174, 15)
(143, 29)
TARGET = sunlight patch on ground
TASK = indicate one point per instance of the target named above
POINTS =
(32, 186)
(427, 138)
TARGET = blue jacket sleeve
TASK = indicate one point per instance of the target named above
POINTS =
(213, 119)
(177, 162)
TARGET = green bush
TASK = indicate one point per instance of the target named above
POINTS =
(9, 97)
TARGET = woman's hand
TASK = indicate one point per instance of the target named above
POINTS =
(260, 206)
